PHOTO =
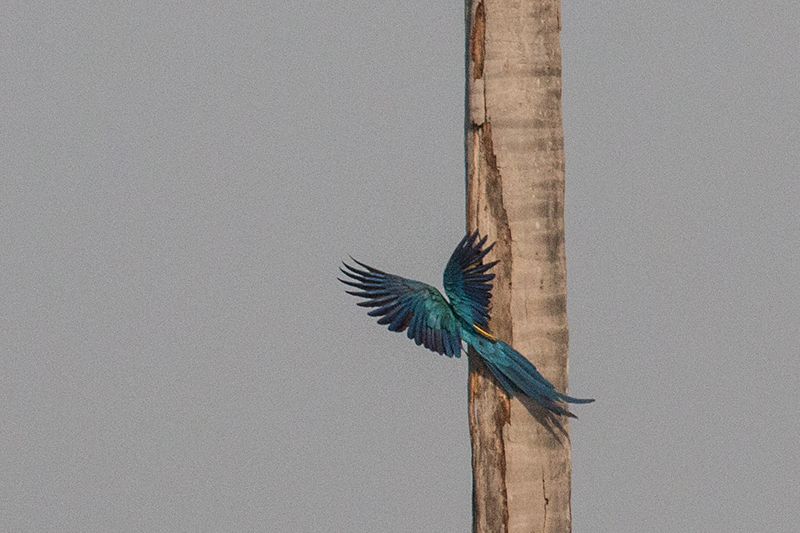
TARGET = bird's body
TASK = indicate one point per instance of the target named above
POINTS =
(441, 325)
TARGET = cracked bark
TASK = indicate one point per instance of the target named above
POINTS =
(515, 194)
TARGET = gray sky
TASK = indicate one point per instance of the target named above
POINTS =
(181, 182)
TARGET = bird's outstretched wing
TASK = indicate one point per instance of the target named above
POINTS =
(466, 282)
(407, 304)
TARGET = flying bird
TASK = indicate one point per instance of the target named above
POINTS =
(442, 326)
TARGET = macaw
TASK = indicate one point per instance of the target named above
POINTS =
(442, 326)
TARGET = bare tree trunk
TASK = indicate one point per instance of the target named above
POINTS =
(515, 194)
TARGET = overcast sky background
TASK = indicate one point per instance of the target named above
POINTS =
(181, 180)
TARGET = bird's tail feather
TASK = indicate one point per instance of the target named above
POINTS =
(515, 373)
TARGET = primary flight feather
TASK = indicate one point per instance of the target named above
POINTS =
(441, 325)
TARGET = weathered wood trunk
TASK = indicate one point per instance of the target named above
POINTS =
(515, 194)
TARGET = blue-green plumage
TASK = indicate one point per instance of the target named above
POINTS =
(430, 320)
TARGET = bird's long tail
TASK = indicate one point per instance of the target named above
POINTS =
(515, 374)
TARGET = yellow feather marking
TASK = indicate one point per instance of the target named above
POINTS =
(484, 333)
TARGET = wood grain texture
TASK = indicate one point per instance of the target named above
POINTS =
(515, 195)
